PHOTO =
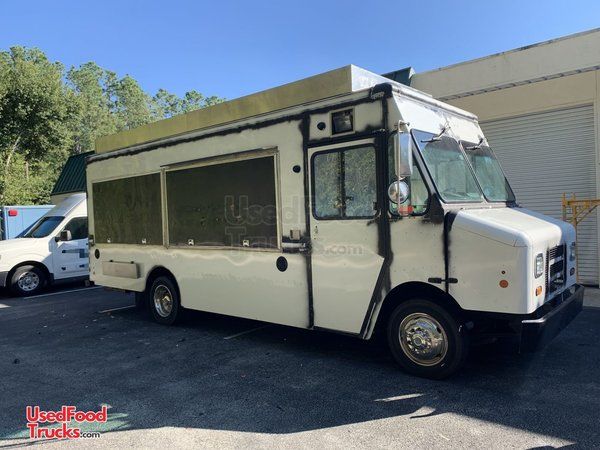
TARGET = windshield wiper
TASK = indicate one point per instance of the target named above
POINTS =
(477, 146)
(436, 137)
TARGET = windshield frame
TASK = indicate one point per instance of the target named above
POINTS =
(511, 194)
(35, 226)
(418, 144)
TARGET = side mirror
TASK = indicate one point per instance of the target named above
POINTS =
(65, 235)
(398, 192)
(403, 153)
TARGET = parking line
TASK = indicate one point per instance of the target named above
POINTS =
(398, 397)
(62, 292)
(117, 309)
(246, 332)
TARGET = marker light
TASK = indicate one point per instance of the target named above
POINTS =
(13, 212)
(538, 291)
(539, 265)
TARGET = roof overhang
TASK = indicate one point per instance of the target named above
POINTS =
(538, 62)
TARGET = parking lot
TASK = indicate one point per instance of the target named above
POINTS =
(219, 381)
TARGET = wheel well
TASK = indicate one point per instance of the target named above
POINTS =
(160, 271)
(37, 264)
(414, 289)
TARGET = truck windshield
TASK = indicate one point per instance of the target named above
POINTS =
(488, 172)
(448, 168)
(43, 227)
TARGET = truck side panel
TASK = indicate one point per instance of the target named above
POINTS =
(238, 282)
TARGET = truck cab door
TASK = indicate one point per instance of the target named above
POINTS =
(345, 258)
(71, 258)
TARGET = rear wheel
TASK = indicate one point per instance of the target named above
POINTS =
(163, 301)
(27, 280)
(426, 339)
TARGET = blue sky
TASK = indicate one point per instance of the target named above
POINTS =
(229, 48)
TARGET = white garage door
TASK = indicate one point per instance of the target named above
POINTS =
(546, 154)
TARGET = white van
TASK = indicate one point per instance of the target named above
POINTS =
(343, 202)
(54, 249)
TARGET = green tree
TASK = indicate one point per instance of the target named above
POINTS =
(90, 83)
(166, 104)
(46, 114)
(169, 105)
(36, 109)
(132, 107)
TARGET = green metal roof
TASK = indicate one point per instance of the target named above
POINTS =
(72, 177)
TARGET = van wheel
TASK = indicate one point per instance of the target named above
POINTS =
(163, 300)
(427, 340)
(27, 280)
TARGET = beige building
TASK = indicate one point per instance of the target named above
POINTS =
(539, 107)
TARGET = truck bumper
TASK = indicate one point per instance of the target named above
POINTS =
(537, 332)
(3, 277)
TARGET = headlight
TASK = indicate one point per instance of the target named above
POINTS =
(539, 265)
(572, 251)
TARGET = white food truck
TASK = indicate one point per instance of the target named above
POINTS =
(343, 202)
(54, 249)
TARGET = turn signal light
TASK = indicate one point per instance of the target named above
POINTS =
(538, 291)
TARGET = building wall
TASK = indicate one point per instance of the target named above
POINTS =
(550, 76)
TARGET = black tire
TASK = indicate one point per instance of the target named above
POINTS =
(419, 354)
(166, 313)
(28, 280)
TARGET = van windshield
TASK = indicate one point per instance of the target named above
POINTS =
(448, 167)
(42, 227)
(488, 172)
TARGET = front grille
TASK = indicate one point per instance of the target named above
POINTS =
(555, 269)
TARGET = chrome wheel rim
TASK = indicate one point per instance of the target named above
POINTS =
(163, 300)
(423, 339)
(28, 281)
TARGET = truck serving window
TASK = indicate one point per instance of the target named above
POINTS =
(128, 210)
(448, 168)
(230, 204)
(345, 184)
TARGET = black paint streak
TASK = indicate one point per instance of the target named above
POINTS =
(448, 221)
(384, 87)
(383, 222)
(305, 132)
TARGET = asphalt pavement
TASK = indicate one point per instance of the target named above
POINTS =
(216, 381)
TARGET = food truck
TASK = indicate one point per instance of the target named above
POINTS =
(344, 202)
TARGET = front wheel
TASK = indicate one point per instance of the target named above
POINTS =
(27, 280)
(426, 339)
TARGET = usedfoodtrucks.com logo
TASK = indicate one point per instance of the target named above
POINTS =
(62, 424)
